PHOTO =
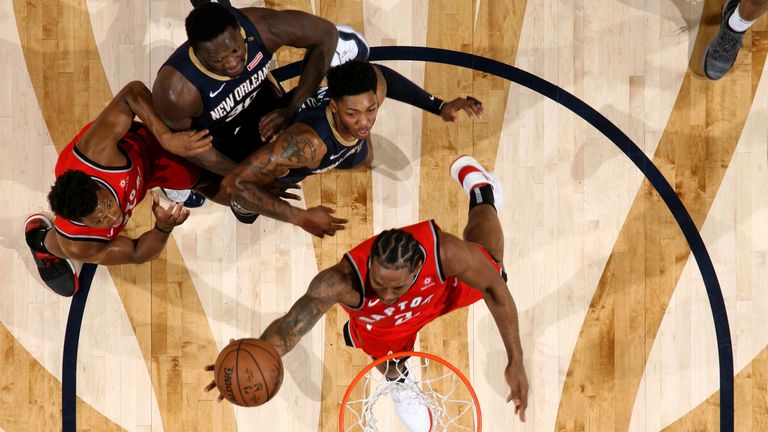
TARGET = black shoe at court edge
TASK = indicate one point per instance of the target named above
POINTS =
(57, 273)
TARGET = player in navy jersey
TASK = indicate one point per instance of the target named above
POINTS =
(219, 79)
(397, 282)
(334, 134)
(104, 172)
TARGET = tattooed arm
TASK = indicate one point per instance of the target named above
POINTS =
(330, 286)
(299, 146)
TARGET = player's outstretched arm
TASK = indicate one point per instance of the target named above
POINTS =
(114, 121)
(326, 289)
(124, 250)
(301, 30)
(404, 90)
(465, 260)
(299, 146)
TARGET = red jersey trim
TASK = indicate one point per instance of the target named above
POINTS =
(359, 286)
(79, 155)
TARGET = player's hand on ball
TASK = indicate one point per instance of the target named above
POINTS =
(168, 218)
(518, 386)
(212, 385)
(469, 105)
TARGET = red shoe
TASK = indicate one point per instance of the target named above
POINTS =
(58, 273)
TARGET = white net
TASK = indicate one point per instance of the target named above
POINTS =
(428, 384)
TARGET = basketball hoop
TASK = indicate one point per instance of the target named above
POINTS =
(451, 406)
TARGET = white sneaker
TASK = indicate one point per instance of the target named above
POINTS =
(351, 46)
(474, 176)
(177, 195)
(410, 406)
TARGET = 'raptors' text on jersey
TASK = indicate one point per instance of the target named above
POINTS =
(422, 303)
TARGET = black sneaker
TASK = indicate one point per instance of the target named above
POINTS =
(724, 48)
(243, 215)
(58, 273)
(196, 3)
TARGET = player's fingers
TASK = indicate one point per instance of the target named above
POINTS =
(286, 186)
(210, 386)
(220, 398)
(208, 367)
(290, 196)
(338, 220)
(183, 217)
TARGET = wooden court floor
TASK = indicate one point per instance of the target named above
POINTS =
(615, 319)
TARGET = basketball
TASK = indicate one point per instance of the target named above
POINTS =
(248, 372)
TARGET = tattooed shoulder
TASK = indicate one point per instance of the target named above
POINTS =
(331, 284)
(298, 147)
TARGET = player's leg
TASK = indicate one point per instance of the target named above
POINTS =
(55, 269)
(351, 46)
(736, 18)
(406, 396)
(408, 402)
(485, 197)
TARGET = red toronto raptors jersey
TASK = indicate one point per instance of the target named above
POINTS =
(422, 303)
(128, 184)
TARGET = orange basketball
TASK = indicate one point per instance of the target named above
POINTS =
(248, 372)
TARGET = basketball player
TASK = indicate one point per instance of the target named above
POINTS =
(219, 79)
(737, 18)
(335, 134)
(395, 283)
(100, 177)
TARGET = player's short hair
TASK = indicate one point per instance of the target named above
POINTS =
(351, 78)
(73, 195)
(397, 249)
(207, 22)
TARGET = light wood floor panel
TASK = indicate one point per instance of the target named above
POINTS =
(579, 221)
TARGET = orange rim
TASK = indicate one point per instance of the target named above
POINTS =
(443, 362)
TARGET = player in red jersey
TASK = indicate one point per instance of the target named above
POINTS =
(397, 282)
(101, 176)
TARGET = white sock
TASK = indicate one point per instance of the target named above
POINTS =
(737, 23)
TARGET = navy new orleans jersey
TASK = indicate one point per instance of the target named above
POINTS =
(340, 153)
(232, 107)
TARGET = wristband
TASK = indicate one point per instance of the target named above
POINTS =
(162, 230)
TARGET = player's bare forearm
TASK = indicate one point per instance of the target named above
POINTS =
(139, 99)
(122, 250)
(504, 311)
(213, 161)
(254, 197)
(285, 332)
(316, 62)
